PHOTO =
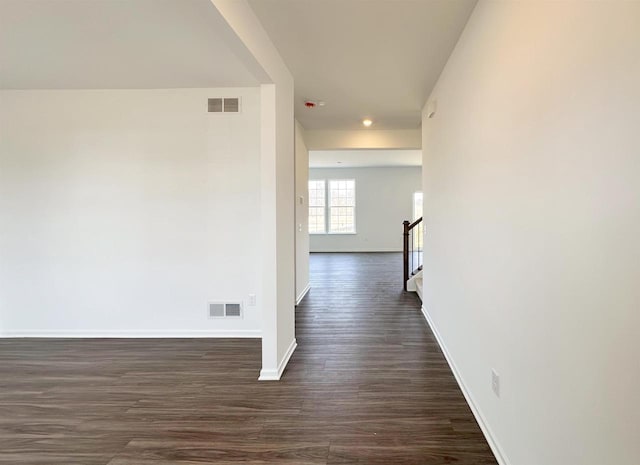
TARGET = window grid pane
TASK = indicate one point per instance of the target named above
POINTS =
(316, 220)
(317, 202)
(342, 206)
(316, 193)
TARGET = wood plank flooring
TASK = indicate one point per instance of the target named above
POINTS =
(367, 385)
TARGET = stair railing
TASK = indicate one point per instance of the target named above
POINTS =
(412, 249)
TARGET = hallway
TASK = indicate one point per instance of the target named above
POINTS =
(383, 392)
(367, 385)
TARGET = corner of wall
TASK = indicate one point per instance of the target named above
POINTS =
(267, 374)
(491, 438)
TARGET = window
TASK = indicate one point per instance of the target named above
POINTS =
(317, 205)
(417, 213)
(417, 205)
(342, 206)
(338, 215)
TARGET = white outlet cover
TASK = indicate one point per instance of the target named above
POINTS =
(495, 382)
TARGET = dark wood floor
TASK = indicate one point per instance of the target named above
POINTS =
(367, 385)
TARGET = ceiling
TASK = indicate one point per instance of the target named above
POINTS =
(85, 44)
(375, 58)
(364, 58)
(363, 158)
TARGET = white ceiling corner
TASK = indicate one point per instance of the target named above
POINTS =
(374, 58)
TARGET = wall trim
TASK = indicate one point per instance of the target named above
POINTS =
(331, 139)
(275, 375)
(382, 250)
(484, 426)
(303, 294)
(248, 333)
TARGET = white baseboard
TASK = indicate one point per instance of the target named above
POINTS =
(274, 375)
(302, 294)
(135, 334)
(486, 430)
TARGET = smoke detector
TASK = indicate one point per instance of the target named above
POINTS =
(313, 103)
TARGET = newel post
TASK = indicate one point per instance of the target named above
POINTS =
(405, 253)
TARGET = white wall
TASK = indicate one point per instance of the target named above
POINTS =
(390, 139)
(302, 214)
(125, 212)
(384, 199)
(532, 261)
(277, 189)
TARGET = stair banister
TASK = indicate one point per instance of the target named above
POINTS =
(407, 231)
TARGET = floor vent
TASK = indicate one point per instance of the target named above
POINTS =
(225, 310)
(223, 105)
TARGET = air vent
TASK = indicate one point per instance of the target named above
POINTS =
(216, 310)
(223, 105)
(232, 310)
(215, 105)
(225, 310)
(231, 105)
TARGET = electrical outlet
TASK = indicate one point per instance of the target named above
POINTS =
(252, 299)
(495, 382)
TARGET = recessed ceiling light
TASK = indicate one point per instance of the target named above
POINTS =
(367, 122)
